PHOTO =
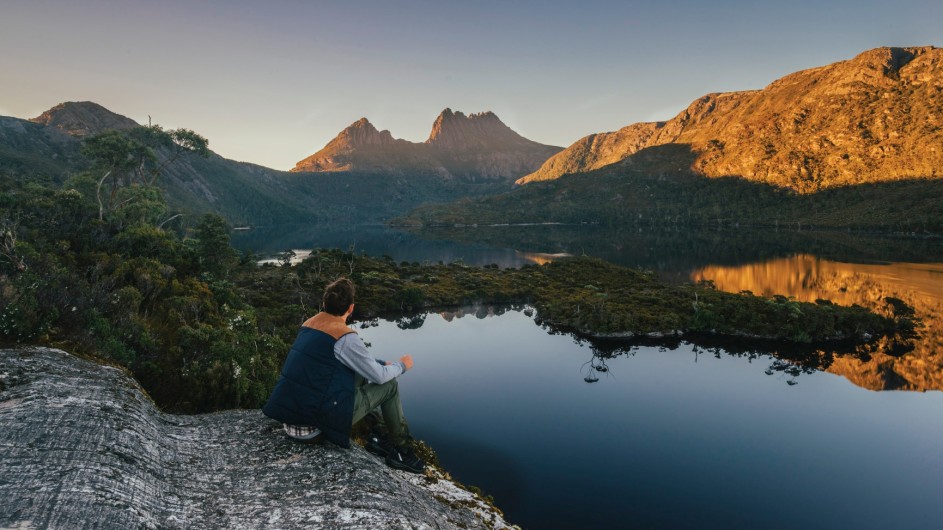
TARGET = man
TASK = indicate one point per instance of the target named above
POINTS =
(329, 382)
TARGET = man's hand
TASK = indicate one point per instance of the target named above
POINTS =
(407, 361)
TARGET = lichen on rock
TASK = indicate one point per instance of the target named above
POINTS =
(81, 446)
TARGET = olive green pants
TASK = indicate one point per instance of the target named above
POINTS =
(369, 397)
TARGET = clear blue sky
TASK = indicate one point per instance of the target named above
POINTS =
(272, 81)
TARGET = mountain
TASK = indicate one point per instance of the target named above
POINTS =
(83, 118)
(48, 148)
(361, 147)
(875, 118)
(472, 148)
(853, 145)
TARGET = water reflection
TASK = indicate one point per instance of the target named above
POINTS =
(673, 435)
(542, 258)
(867, 365)
(844, 268)
(787, 362)
(278, 242)
(884, 365)
(593, 367)
(674, 254)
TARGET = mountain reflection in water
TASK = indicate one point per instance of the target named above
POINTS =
(807, 278)
(867, 365)
(571, 433)
(541, 258)
(844, 268)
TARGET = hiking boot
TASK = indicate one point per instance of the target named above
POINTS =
(303, 433)
(405, 458)
(378, 444)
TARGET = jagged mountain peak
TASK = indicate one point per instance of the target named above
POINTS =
(83, 118)
(448, 114)
(483, 130)
(338, 154)
(361, 132)
(473, 146)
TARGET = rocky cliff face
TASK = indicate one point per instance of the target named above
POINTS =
(596, 151)
(874, 118)
(83, 447)
(477, 146)
(482, 131)
(83, 118)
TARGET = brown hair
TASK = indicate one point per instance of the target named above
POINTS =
(338, 295)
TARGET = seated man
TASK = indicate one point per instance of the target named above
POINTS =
(330, 382)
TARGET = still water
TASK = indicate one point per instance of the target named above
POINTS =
(807, 277)
(667, 436)
(570, 434)
(674, 254)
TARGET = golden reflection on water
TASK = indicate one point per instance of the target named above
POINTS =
(541, 258)
(807, 278)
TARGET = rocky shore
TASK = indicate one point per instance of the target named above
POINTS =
(82, 446)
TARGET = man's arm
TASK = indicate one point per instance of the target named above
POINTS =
(352, 352)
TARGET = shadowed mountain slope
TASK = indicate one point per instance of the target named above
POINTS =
(38, 150)
(655, 188)
(49, 147)
(853, 145)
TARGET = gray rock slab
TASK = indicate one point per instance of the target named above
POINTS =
(81, 446)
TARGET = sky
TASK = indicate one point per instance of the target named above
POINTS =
(271, 82)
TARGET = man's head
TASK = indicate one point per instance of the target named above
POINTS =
(338, 296)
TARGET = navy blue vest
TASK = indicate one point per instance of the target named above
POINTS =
(315, 388)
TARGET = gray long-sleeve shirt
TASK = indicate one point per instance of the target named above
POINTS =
(352, 353)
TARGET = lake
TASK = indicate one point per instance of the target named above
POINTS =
(566, 433)
(666, 437)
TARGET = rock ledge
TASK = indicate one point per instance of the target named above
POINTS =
(82, 447)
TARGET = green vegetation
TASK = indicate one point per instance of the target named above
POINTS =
(586, 295)
(243, 193)
(103, 273)
(659, 192)
(128, 292)
(358, 197)
(122, 280)
(129, 161)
